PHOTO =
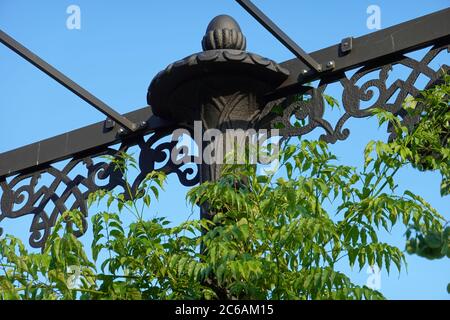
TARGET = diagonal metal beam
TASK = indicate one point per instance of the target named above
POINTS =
(376, 49)
(280, 35)
(65, 81)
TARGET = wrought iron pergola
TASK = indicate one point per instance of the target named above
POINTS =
(224, 86)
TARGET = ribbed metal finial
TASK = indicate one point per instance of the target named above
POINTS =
(223, 32)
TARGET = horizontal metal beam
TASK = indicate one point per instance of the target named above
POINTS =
(87, 140)
(280, 35)
(374, 48)
(66, 82)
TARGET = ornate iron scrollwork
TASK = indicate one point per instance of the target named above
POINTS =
(21, 195)
(311, 111)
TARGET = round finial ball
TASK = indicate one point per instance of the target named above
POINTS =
(223, 32)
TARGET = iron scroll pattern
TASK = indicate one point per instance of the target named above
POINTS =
(22, 196)
(308, 114)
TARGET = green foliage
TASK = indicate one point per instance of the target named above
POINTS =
(426, 146)
(274, 239)
(430, 244)
(271, 237)
(274, 236)
(331, 101)
(45, 275)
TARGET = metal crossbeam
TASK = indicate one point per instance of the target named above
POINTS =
(87, 140)
(377, 48)
(66, 82)
(280, 35)
(375, 54)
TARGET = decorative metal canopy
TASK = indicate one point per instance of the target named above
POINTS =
(224, 86)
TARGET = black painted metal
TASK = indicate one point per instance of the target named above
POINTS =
(391, 44)
(367, 83)
(376, 49)
(22, 195)
(280, 35)
(66, 82)
(88, 140)
(225, 87)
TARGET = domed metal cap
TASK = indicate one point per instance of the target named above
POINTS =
(223, 32)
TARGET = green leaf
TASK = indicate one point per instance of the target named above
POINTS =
(278, 109)
(147, 200)
(332, 102)
(181, 265)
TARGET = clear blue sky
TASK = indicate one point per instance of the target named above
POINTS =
(123, 44)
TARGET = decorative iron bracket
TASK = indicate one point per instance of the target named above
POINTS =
(254, 85)
(374, 49)
(66, 82)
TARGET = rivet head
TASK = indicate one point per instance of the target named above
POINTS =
(330, 64)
